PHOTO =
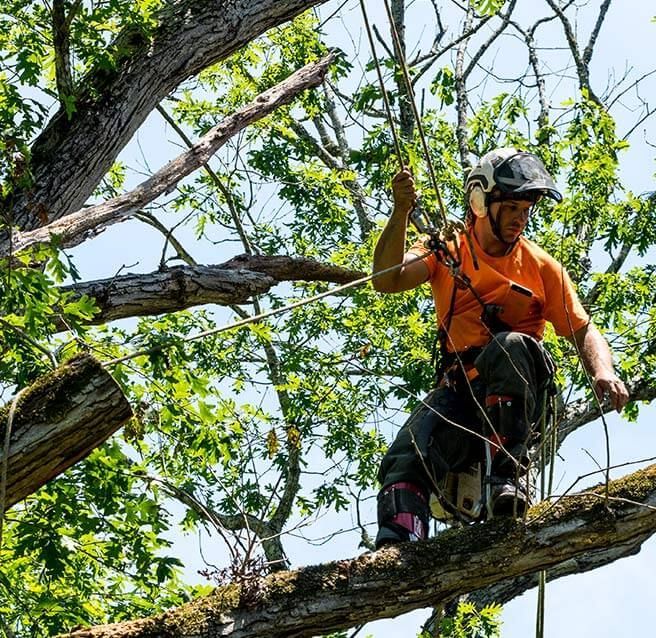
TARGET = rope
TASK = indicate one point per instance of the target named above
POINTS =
(418, 217)
(411, 94)
(388, 110)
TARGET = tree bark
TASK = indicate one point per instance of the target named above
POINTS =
(71, 156)
(335, 596)
(181, 287)
(76, 227)
(59, 420)
(505, 591)
(580, 412)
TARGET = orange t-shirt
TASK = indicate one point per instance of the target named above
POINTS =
(529, 284)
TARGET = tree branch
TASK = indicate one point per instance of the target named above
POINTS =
(71, 156)
(181, 287)
(181, 252)
(587, 53)
(486, 45)
(335, 596)
(75, 227)
(581, 62)
(583, 411)
(59, 420)
(61, 43)
(462, 101)
(529, 38)
(357, 194)
(613, 268)
(505, 591)
(239, 227)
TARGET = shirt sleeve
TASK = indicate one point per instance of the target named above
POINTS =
(419, 248)
(563, 308)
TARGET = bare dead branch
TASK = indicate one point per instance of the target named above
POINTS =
(75, 227)
(581, 62)
(589, 49)
(181, 287)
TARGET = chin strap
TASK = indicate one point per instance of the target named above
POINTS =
(495, 226)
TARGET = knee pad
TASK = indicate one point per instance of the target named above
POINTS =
(402, 514)
(507, 417)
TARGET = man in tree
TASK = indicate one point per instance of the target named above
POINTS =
(494, 374)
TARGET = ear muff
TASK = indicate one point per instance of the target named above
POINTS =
(477, 201)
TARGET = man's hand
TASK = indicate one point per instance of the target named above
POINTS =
(609, 384)
(403, 190)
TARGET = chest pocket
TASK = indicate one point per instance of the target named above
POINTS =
(517, 303)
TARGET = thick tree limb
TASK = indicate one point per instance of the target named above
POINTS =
(181, 287)
(71, 156)
(170, 290)
(59, 420)
(319, 599)
(76, 227)
(284, 268)
(505, 591)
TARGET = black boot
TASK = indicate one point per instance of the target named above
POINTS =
(508, 497)
(510, 457)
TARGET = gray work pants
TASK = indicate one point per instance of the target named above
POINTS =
(445, 432)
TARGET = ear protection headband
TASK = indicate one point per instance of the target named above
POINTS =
(478, 201)
(480, 181)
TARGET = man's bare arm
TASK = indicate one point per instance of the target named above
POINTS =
(598, 361)
(390, 249)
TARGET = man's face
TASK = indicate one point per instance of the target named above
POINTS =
(511, 217)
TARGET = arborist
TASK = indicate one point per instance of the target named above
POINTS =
(493, 291)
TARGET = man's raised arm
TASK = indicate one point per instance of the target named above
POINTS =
(390, 249)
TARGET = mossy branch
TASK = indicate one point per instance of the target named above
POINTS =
(335, 596)
(59, 420)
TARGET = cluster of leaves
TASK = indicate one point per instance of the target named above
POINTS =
(489, 7)
(32, 307)
(470, 622)
(88, 550)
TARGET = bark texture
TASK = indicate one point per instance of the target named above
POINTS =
(335, 596)
(76, 227)
(59, 420)
(505, 591)
(181, 287)
(71, 156)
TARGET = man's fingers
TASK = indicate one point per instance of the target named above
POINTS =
(616, 391)
(403, 189)
(401, 175)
